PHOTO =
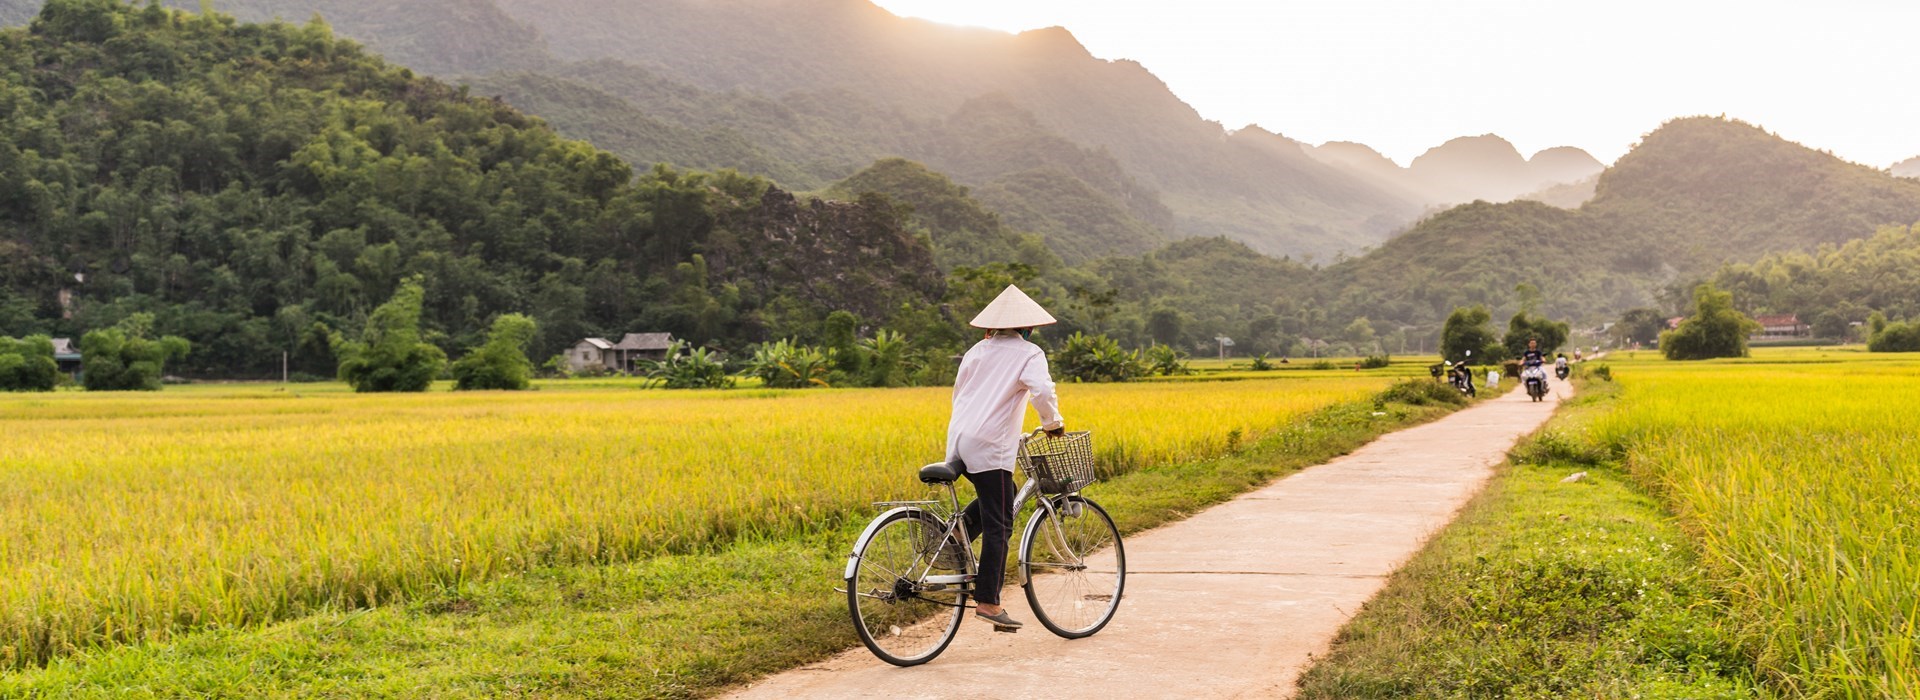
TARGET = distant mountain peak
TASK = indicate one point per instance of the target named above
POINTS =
(1055, 39)
(1907, 168)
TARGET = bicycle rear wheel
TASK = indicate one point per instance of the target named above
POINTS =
(1074, 565)
(901, 618)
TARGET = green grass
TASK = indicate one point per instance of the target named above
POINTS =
(1544, 589)
(669, 626)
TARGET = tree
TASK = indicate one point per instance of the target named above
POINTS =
(1903, 336)
(123, 358)
(1360, 334)
(1715, 329)
(390, 356)
(1640, 325)
(1468, 334)
(27, 364)
(1166, 325)
(1523, 327)
(502, 362)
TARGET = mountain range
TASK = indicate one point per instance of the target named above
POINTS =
(807, 92)
(258, 187)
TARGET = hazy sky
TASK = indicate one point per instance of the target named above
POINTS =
(1406, 75)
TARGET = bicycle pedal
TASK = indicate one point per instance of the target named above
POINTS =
(1008, 630)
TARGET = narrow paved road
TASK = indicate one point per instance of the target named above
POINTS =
(1232, 602)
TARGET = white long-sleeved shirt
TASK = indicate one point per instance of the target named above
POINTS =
(998, 376)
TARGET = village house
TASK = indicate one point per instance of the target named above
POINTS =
(624, 356)
(1779, 326)
(67, 356)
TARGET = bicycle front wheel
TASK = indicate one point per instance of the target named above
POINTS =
(1074, 565)
(901, 618)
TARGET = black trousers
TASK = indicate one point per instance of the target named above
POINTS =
(991, 515)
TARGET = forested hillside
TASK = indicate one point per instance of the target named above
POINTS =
(1695, 194)
(260, 187)
(808, 92)
(1834, 286)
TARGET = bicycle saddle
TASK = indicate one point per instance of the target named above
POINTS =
(942, 472)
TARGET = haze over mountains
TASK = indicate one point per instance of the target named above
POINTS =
(810, 91)
(1464, 169)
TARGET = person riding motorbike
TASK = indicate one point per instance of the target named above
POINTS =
(1560, 368)
(1533, 369)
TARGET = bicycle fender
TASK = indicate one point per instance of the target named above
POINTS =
(867, 534)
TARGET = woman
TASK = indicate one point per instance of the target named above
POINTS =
(997, 377)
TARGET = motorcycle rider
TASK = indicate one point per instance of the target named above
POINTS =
(1532, 363)
(1560, 365)
(1533, 357)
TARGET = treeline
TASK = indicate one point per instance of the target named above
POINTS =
(1836, 286)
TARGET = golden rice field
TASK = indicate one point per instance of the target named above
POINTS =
(132, 517)
(1799, 474)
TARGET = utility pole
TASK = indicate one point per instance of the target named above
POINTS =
(1225, 342)
(283, 366)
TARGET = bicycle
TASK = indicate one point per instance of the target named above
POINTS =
(1073, 566)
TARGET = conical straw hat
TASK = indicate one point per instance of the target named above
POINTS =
(1012, 309)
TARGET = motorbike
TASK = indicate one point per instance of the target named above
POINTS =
(1536, 381)
(1561, 371)
(1461, 378)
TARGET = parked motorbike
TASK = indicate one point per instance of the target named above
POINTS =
(1461, 377)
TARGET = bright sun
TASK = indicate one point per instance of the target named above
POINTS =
(1004, 15)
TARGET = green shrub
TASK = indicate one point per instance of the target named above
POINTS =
(1510, 369)
(27, 364)
(390, 355)
(1167, 361)
(1097, 358)
(1260, 363)
(1323, 364)
(699, 368)
(784, 364)
(1601, 372)
(123, 358)
(1415, 392)
(885, 362)
(502, 362)
(1376, 362)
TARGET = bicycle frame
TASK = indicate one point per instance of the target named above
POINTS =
(954, 526)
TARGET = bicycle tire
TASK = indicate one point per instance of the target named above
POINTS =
(896, 620)
(1065, 556)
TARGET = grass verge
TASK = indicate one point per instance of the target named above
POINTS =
(669, 626)
(1546, 589)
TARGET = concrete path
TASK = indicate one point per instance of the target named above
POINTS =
(1232, 602)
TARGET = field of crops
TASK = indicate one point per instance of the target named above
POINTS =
(132, 517)
(1798, 471)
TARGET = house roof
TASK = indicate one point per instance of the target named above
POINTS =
(601, 343)
(1778, 320)
(645, 341)
(63, 349)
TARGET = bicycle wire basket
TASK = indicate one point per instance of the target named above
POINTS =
(1061, 464)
